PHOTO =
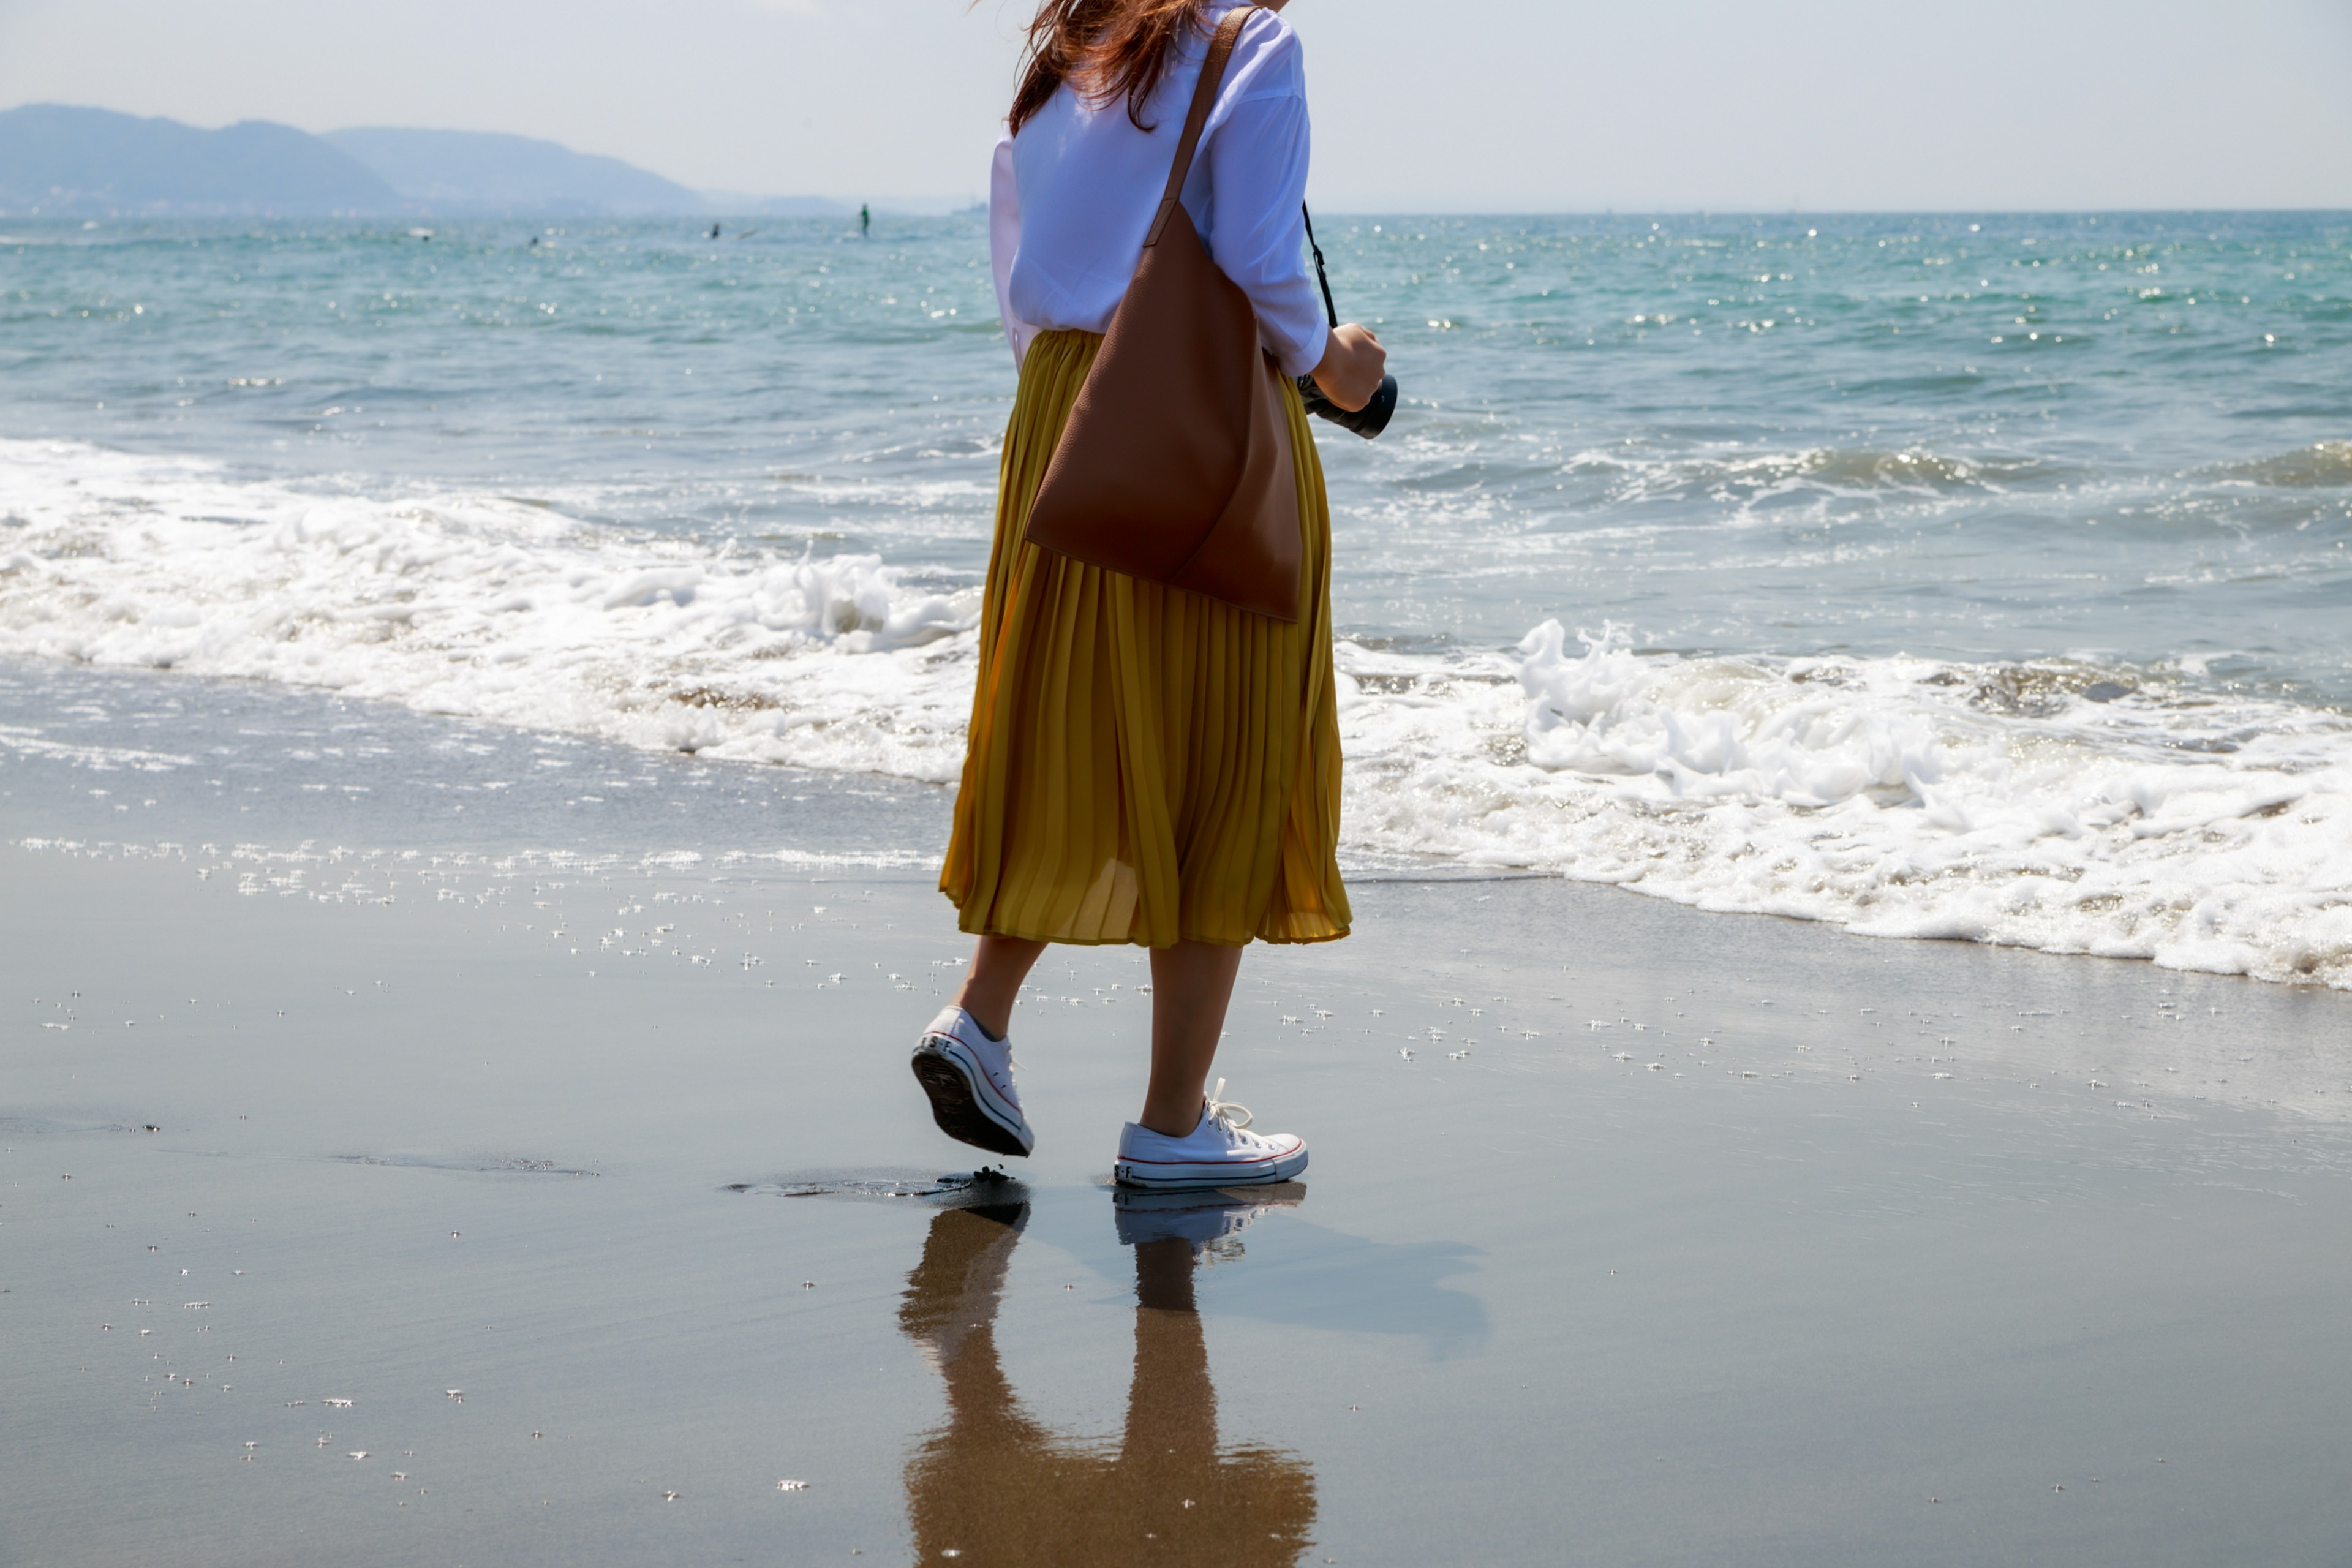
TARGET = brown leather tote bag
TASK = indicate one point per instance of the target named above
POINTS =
(1176, 465)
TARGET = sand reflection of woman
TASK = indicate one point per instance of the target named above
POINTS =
(995, 1487)
(1144, 766)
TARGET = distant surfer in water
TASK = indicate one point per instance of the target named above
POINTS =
(714, 231)
(865, 220)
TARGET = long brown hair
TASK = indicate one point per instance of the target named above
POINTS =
(1108, 48)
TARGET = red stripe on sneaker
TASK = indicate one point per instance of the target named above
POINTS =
(1235, 1164)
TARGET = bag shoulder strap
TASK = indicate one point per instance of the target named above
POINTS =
(1204, 98)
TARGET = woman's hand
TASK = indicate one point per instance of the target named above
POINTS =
(1353, 362)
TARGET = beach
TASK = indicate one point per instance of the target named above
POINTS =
(1843, 1056)
(1633, 1234)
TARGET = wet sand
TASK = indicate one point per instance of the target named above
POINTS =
(1634, 1234)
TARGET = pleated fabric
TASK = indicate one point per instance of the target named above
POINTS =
(1144, 764)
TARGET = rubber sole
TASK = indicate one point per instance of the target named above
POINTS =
(1142, 1177)
(956, 1108)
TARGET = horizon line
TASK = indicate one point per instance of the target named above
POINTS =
(972, 205)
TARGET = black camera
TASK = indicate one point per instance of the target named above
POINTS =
(1372, 417)
(1368, 421)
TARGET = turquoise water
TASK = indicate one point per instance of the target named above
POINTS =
(1982, 437)
(2024, 542)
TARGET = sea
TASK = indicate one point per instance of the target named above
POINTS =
(1961, 577)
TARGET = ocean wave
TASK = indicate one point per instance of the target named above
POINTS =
(1829, 471)
(482, 606)
(30, 742)
(2073, 805)
(2064, 806)
(2322, 465)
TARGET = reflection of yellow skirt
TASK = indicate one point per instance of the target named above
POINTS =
(1144, 764)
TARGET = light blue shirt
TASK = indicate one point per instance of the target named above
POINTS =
(1071, 198)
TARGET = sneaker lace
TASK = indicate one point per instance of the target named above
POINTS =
(1011, 1064)
(1005, 1044)
(1234, 1117)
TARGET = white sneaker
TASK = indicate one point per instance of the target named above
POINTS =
(970, 1080)
(1220, 1152)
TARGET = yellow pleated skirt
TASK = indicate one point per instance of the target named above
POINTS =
(1144, 764)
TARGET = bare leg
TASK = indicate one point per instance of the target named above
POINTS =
(999, 965)
(1191, 984)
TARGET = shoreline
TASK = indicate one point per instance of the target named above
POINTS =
(471, 764)
(145, 757)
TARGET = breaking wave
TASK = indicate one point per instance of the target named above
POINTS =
(2065, 806)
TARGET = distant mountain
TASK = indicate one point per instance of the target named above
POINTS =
(64, 162)
(742, 204)
(61, 161)
(461, 172)
(929, 206)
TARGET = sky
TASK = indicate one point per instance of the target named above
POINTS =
(1469, 105)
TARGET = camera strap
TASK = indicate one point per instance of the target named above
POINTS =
(1321, 276)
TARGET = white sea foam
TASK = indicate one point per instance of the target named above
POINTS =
(31, 743)
(473, 605)
(1893, 796)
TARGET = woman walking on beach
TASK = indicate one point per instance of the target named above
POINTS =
(1145, 765)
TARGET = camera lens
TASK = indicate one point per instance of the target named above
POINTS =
(1368, 421)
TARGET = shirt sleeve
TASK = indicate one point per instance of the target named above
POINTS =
(1005, 243)
(1257, 188)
